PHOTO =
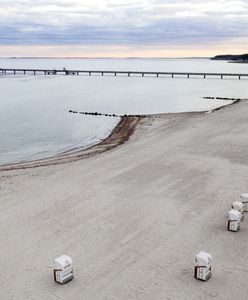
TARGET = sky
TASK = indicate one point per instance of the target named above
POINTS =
(123, 28)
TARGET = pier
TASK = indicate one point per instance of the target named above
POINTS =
(6, 71)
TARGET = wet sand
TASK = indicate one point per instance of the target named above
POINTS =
(132, 218)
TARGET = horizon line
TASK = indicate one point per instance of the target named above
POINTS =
(103, 57)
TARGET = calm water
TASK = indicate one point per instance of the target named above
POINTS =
(34, 118)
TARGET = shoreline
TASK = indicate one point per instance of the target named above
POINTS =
(118, 136)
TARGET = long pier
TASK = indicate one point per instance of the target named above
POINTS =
(6, 71)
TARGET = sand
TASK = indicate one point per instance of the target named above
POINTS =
(133, 218)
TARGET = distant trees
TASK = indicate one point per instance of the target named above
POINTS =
(238, 58)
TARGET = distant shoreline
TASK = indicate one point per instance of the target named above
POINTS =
(232, 58)
(34, 57)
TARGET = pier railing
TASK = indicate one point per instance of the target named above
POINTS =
(7, 71)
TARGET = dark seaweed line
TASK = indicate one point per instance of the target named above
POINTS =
(105, 115)
(225, 98)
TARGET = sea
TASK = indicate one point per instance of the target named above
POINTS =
(34, 110)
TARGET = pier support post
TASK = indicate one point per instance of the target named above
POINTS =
(172, 75)
(142, 74)
(188, 75)
(221, 76)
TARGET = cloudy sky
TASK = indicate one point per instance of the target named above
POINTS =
(121, 28)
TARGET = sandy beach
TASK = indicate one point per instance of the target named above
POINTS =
(132, 218)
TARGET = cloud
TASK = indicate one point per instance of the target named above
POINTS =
(121, 22)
